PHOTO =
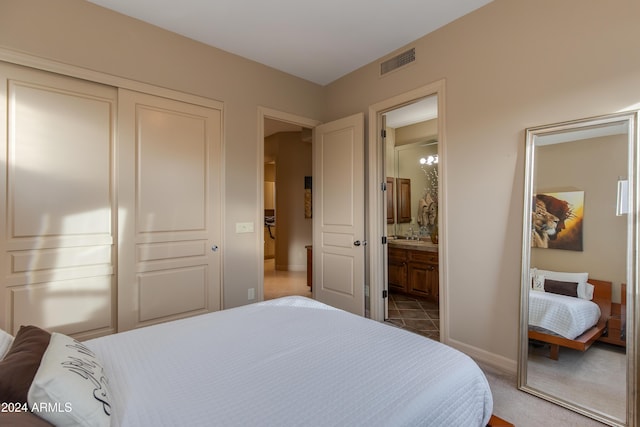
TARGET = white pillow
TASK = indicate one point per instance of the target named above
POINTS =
(538, 283)
(585, 290)
(70, 380)
(6, 340)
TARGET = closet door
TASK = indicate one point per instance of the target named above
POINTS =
(57, 194)
(169, 200)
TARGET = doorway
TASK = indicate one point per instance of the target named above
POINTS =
(287, 231)
(411, 165)
(377, 205)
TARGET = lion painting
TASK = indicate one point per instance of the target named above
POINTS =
(544, 226)
(555, 224)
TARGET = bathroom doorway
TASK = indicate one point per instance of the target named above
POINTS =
(411, 159)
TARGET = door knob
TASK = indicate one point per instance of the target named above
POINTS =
(356, 243)
(214, 248)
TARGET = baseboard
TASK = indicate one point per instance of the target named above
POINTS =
(292, 267)
(493, 360)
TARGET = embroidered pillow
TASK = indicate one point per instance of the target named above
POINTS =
(6, 340)
(72, 381)
(21, 362)
(538, 282)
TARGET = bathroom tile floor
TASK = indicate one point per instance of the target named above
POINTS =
(415, 315)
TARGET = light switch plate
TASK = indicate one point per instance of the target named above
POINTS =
(244, 227)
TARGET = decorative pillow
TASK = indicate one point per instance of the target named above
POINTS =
(538, 283)
(22, 419)
(72, 379)
(6, 340)
(21, 362)
(585, 291)
(569, 289)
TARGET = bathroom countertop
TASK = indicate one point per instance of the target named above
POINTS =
(418, 245)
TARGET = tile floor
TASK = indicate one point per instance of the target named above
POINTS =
(415, 314)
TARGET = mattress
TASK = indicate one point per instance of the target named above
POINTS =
(565, 316)
(289, 362)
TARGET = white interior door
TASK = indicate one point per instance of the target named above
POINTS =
(338, 213)
(57, 212)
(169, 209)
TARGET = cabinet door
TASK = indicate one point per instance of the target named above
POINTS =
(397, 269)
(423, 279)
(390, 202)
(404, 200)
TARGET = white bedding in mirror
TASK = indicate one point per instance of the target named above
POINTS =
(566, 316)
(291, 361)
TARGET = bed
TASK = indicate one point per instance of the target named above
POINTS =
(566, 321)
(290, 361)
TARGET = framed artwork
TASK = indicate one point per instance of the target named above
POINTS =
(556, 221)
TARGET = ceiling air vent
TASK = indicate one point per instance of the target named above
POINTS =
(398, 61)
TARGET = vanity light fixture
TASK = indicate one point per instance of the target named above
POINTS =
(431, 160)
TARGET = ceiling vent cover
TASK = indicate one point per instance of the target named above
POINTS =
(398, 61)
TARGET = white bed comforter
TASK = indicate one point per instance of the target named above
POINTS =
(563, 315)
(289, 362)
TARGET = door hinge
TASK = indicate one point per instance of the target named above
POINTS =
(384, 240)
(385, 294)
(383, 186)
(383, 133)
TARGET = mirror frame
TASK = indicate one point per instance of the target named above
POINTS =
(630, 120)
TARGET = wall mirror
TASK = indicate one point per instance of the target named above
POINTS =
(412, 169)
(579, 287)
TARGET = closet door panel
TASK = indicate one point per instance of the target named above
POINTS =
(58, 202)
(170, 206)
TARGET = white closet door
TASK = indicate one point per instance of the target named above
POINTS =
(57, 196)
(169, 200)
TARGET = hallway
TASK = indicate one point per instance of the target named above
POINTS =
(278, 283)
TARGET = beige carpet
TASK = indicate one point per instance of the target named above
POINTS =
(525, 410)
(595, 378)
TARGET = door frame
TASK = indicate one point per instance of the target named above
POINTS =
(269, 113)
(376, 221)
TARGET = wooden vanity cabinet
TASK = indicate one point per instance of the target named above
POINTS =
(414, 272)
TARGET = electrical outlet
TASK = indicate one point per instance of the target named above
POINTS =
(244, 227)
(251, 293)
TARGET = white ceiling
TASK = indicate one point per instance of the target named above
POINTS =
(419, 111)
(319, 41)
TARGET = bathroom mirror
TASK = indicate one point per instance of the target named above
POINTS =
(411, 165)
(415, 180)
(579, 260)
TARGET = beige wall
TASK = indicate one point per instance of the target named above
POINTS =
(82, 34)
(293, 163)
(507, 66)
(418, 132)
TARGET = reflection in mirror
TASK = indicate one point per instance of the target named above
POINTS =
(412, 170)
(578, 285)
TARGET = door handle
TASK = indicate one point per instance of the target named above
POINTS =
(214, 248)
(358, 243)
